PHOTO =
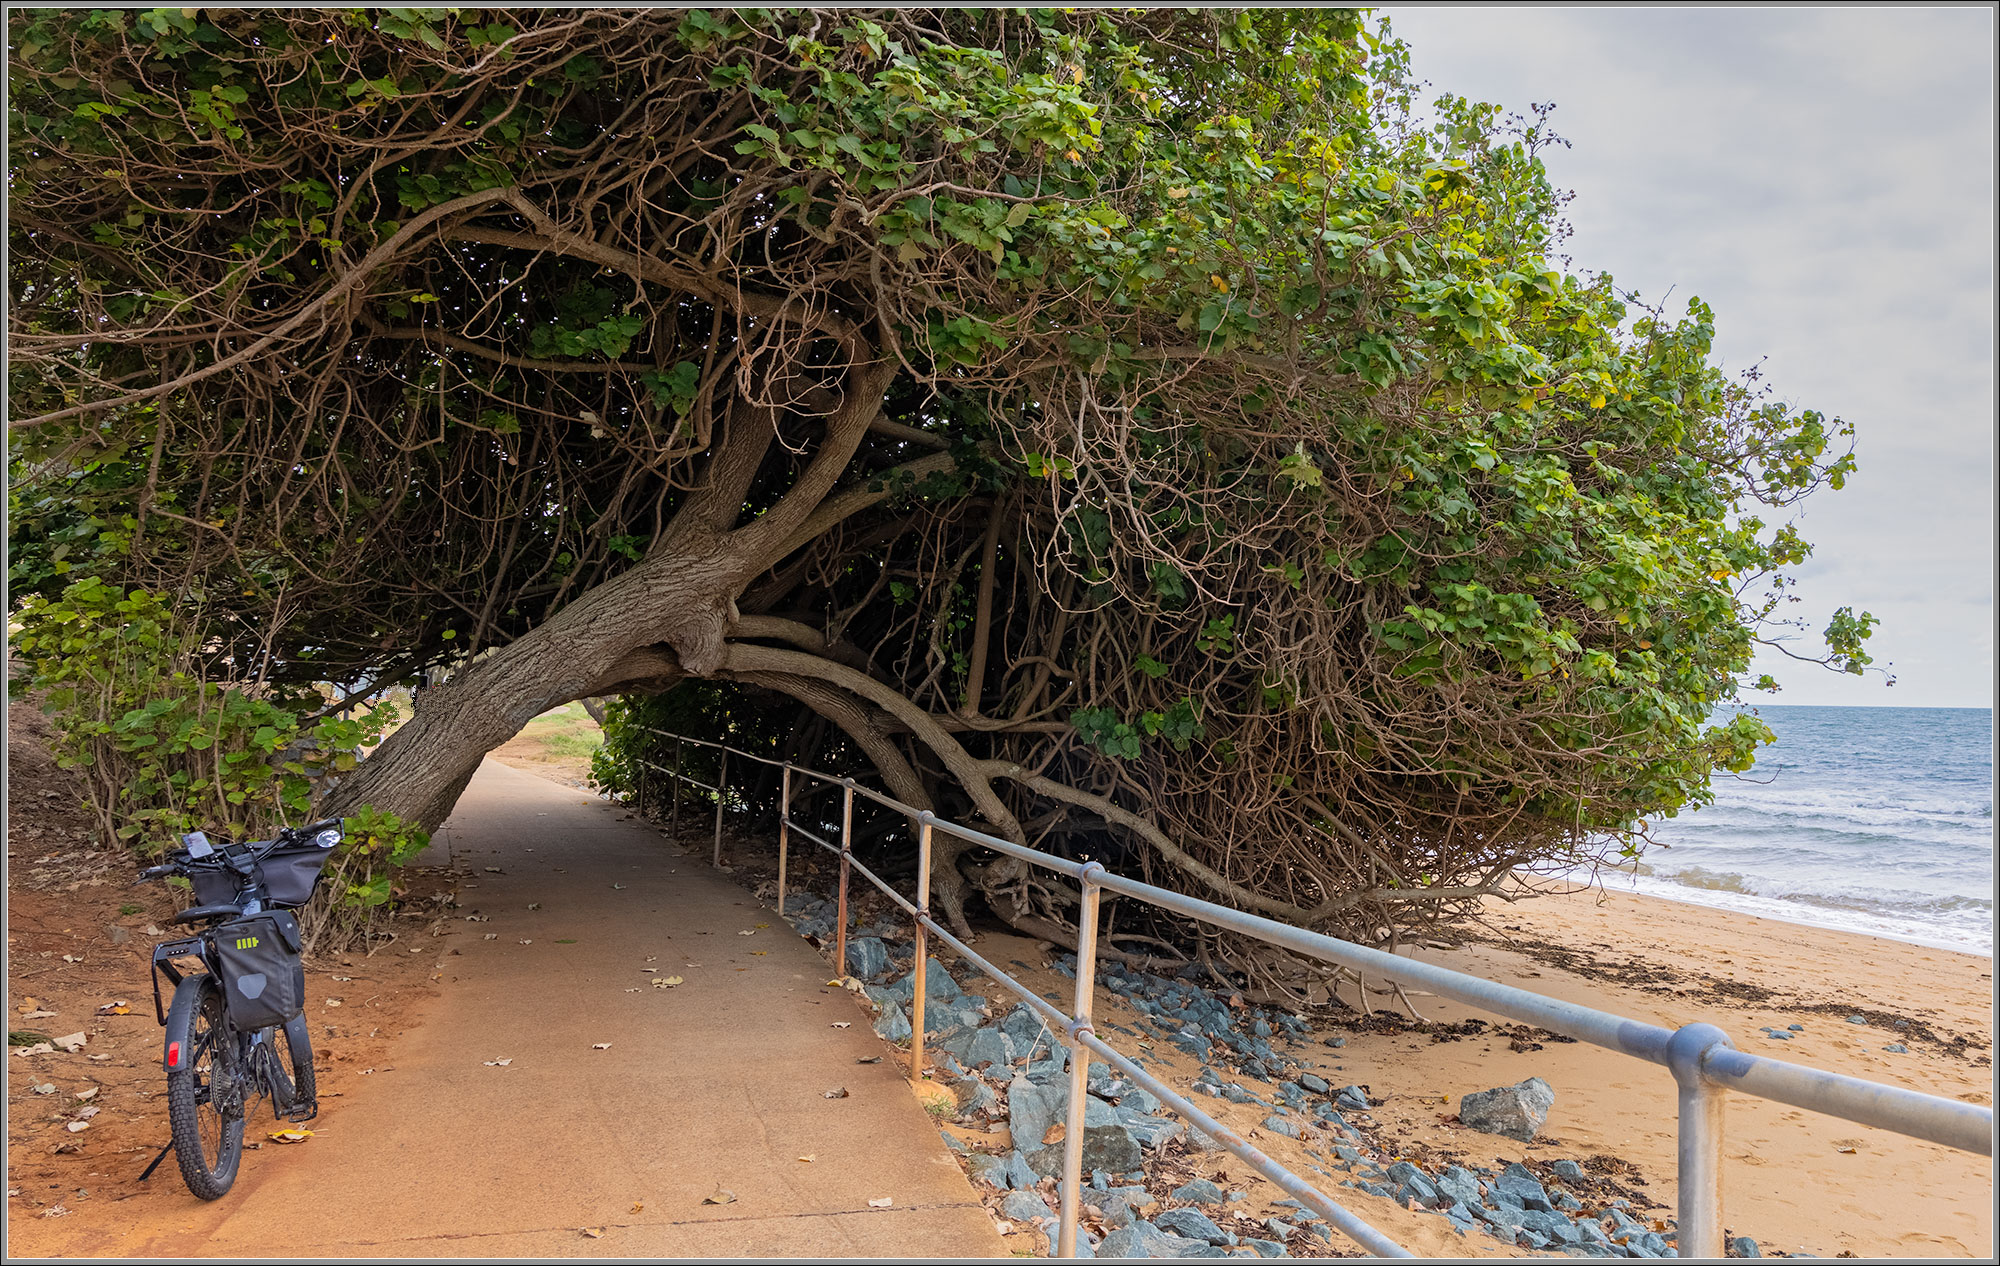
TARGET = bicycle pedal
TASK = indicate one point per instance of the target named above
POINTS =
(302, 1112)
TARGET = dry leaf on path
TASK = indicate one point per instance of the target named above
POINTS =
(843, 1024)
(869, 1059)
(883, 1203)
(594, 1232)
(723, 1195)
(74, 1126)
(88, 1092)
(499, 1063)
(748, 932)
(809, 1157)
(637, 1207)
(1056, 1133)
(295, 1134)
(73, 1042)
(838, 1092)
(668, 982)
(600, 1046)
(46, 1088)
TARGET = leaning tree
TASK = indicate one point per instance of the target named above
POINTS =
(1145, 432)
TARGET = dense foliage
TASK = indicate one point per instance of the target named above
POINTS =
(1250, 497)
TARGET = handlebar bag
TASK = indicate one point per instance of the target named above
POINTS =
(213, 887)
(291, 873)
(263, 979)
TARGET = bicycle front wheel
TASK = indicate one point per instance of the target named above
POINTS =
(297, 1087)
(205, 1092)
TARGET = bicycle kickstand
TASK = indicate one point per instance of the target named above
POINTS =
(156, 1162)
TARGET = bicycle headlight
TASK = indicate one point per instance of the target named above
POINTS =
(327, 838)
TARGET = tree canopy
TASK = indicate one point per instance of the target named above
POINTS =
(1156, 433)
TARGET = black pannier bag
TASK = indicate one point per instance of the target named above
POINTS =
(290, 873)
(263, 979)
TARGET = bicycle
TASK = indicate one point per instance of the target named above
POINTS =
(236, 1027)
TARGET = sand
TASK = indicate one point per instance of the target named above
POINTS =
(1794, 1181)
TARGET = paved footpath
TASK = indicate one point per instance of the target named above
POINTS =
(718, 1082)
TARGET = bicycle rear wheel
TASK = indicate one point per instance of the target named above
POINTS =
(205, 1093)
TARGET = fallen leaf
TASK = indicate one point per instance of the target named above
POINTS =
(723, 1195)
(667, 982)
(615, 886)
(529, 941)
(1846, 1151)
(73, 1042)
(869, 1059)
(93, 1110)
(843, 1024)
(1056, 1133)
(74, 1126)
(600, 1046)
(758, 953)
(499, 1063)
(54, 1211)
(834, 983)
(291, 1134)
(594, 1232)
(341, 979)
(883, 1203)
(763, 925)
(838, 1092)
(38, 1015)
(99, 1058)
(495, 870)
(109, 1008)
(809, 1158)
(636, 1207)
(335, 1002)
(490, 936)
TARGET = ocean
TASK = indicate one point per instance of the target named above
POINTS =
(1875, 820)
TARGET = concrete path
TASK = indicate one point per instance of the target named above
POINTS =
(718, 1082)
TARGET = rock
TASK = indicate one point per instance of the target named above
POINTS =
(1897, 1048)
(989, 1046)
(1352, 1098)
(892, 1025)
(1278, 1125)
(1190, 1224)
(1517, 1112)
(1796, 1028)
(867, 958)
(1116, 1212)
(1024, 1206)
(974, 1095)
(1143, 1239)
(1456, 1183)
(1517, 1186)
(953, 1142)
(1020, 1176)
(1315, 1084)
(1336, 1042)
(1139, 1099)
(991, 1170)
(1414, 1182)
(1591, 1232)
(1193, 1043)
(1199, 1191)
(1151, 1132)
(1857, 1019)
(1265, 1248)
(1743, 1246)
(1566, 1202)
(1086, 1243)
(1292, 1095)
(1033, 1110)
(1022, 1026)
(1567, 1169)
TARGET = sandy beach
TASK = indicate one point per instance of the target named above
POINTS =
(1794, 1181)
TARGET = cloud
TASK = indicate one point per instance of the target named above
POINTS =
(1824, 178)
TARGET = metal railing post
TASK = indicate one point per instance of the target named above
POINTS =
(917, 978)
(784, 831)
(1699, 1228)
(846, 851)
(1079, 1062)
(674, 795)
(721, 793)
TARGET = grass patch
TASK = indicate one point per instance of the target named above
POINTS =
(569, 743)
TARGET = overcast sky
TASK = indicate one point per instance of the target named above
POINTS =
(1825, 179)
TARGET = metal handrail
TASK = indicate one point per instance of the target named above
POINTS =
(1701, 1057)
